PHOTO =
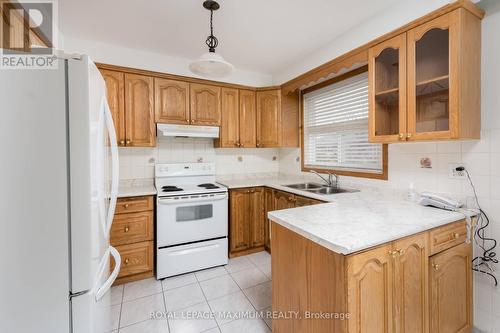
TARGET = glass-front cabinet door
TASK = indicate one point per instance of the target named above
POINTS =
(432, 79)
(387, 82)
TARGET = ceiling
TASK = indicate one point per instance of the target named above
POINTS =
(264, 36)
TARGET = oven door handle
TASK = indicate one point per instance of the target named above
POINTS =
(194, 250)
(171, 201)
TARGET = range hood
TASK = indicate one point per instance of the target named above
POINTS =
(188, 131)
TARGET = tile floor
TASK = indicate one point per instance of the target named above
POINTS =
(221, 299)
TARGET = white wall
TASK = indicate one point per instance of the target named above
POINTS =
(118, 55)
(138, 163)
(482, 158)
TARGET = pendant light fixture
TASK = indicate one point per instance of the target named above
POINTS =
(211, 64)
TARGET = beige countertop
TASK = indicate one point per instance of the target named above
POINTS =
(136, 188)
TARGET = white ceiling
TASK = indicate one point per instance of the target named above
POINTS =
(259, 35)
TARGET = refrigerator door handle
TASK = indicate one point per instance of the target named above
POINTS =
(103, 289)
(115, 176)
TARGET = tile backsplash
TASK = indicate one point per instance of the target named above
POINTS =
(138, 163)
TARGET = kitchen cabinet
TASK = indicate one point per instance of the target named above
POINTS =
(268, 118)
(205, 104)
(451, 290)
(283, 200)
(394, 287)
(115, 92)
(130, 98)
(140, 129)
(246, 227)
(425, 83)
(269, 206)
(238, 126)
(132, 235)
(171, 101)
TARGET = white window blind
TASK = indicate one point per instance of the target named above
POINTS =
(336, 128)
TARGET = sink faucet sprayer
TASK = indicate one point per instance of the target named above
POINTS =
(328, 181)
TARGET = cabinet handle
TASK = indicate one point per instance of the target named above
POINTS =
(401, 252)
(126, 205)
(401, 136)
(128, 142)
(408, 135)
(122, 143)
(258, 145)
(126, 229)
(393, 253)
(126, 261)
(456, 235)
(436, 267)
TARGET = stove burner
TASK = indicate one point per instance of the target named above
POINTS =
(209, 186)
(171, 189)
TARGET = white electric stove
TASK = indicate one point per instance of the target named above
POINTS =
(192, 219)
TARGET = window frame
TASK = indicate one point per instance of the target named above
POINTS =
(342, 172)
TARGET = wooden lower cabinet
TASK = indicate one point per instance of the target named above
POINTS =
(132, 235)
(269, 206)
(451, 290)
(397, 287)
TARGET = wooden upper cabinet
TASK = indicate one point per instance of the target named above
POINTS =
(387, 90)
(369, 291)
(247, 119)
(411, 258)
(115, 92)
(171, 101)
(230, 124)
(451, 290)
(268, 118)
(205, 104)
(139, 123)
(290, 134)
(257, 217)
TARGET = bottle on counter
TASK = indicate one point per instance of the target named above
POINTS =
(412, 195)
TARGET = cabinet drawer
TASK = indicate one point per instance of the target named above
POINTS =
(136, 258)
(132, 228)
(136, 204)
(448, 236)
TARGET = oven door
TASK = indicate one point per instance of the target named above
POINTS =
(191, 218)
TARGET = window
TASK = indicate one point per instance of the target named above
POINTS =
(336, 129)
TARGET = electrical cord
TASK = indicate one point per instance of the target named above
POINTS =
(482, 263)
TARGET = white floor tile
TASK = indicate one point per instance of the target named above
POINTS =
(141, 288)
(260, 258)
(245, 326)
(219, 286)
(148, 326)
(178, 281)
(230, 307)
(266, 269)
(238, 264)
(116, 295)
(249, 277)
(210, 273)
(260, 296)
(185, 323)
(212, 330)
(183, 297)
(140, 309)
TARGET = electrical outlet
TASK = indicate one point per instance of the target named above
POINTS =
(453, 173)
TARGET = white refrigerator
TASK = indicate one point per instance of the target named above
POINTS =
(59, 185)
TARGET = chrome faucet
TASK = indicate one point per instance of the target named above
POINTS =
(329, 182)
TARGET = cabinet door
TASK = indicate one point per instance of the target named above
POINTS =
(268, 118)
(269, 206)
(205, 104)
(257, 217)
(433, 79)
(230, 124)
(451, 290)
(369, 291)
(171, 101)
(410, 284)
(248, 119)
(303, 201)
(387, 93)
(115, 92)
(140, 128)
(283, 200)
(239, 226)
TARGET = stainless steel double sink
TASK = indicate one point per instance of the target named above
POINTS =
(319, 189)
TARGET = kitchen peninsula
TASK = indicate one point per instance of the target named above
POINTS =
(378, 263)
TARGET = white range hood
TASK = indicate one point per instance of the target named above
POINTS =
(190, 131)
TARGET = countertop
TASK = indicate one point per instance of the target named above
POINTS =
(135, 188)
(356, 221)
